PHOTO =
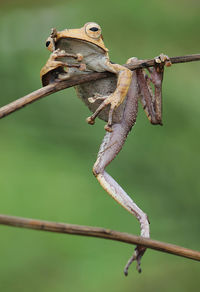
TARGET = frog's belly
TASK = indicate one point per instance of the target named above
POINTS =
(103, 87)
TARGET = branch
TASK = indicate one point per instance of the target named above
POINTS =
(99, 232)
(60, 85)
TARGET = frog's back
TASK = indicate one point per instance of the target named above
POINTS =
(103, 87)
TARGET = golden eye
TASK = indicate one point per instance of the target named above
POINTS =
(93, 30)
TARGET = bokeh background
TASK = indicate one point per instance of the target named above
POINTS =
(47, 152)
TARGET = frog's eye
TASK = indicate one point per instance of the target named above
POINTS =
(93, 30)
(49, 44)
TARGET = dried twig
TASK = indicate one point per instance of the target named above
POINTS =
(56, 86)
(99, 232)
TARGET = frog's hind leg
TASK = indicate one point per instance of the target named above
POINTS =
(110, 147)
(152, 101)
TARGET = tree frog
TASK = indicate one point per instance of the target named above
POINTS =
(114, 100)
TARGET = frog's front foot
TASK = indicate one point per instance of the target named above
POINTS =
(61, 54)
(53, 62)
(113, 100)
(91, 120)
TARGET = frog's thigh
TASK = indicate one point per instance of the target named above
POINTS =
(110, 147)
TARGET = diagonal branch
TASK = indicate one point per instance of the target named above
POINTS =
(60, 85)
(99, 232)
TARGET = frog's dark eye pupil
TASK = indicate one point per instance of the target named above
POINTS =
(47, 43)
(94, 29)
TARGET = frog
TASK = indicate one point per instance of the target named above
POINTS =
(75, 52)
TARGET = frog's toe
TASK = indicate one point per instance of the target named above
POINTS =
(96, 96)
(90, 120)
(163, 59)
(108, 128)
(91, 99)
(63, 76)
(137, 256)
(79, 57)
(57, 52)
(107, 100)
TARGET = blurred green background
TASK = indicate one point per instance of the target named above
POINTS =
(47, 151)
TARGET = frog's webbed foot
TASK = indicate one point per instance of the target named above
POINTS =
(53, 62)
(156, 72)
(61, 54)
(161, 61)
(113, 100)
(65, 75)
(91, 119)
(137, 256)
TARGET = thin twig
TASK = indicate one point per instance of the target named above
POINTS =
(99, 232)
(60, 85)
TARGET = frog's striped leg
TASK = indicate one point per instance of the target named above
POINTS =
(117, 97)
(110, 147)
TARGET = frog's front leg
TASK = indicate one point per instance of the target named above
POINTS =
(60, 54)
(117, 97)
(112, 144)
(55, 63)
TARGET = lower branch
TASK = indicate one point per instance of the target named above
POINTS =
(99, 232)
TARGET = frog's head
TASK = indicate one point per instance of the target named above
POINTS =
(90, 32)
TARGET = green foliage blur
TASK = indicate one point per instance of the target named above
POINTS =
(47, 151)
